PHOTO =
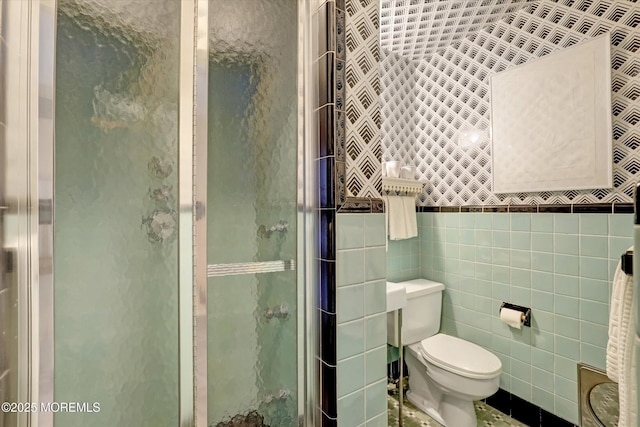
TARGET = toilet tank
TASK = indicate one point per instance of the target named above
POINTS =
(421, 316)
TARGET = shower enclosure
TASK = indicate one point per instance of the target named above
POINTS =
(153, 218)
(251, 210)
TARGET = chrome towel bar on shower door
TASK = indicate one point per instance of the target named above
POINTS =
(217, 270)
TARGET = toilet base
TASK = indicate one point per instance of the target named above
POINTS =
(456, 412)
(423, 405)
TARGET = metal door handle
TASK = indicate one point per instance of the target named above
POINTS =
(216, 270)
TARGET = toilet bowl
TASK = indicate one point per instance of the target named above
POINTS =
(446, 373)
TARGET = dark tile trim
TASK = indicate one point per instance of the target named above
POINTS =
(501, 400)
(356, 204)
(327, 28)
(328, 340)
(326, 182)
(331, 189)
(594, 208)
(326, 133)
(328, 387)
(450, 209)
(498, 208)
(428, 208)
(547, 419)
(340, 87)
(341, 183)
(554, 208)
(524, 411)
(326, 79)
(327, 229)
(327, 421)
(361, 205)
(350, 208)
(341, 51)
(606, 208)
(377, 206)
(470, 208)
(340, 136)
(523, 208)
(623, 208)
(327, 289)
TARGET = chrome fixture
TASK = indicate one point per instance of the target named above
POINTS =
(279, 227)
(214, 270)
(280, 312)
(279, 395)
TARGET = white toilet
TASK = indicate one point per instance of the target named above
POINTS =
(446, 374)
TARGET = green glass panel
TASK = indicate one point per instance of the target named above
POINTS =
(251, 211)
(116, 312)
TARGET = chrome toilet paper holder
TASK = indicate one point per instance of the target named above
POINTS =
(524, 310)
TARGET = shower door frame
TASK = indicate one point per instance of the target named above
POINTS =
(34, 33)
(37, 36)
(37, 29)
(29, 37)
(41, 64)
(21, 145)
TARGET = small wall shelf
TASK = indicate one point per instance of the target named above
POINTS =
(399, 184)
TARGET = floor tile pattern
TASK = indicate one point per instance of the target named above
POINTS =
(413, 417)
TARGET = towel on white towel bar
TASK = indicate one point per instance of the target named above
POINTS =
(621, 360)
(400, 212)
(410, 217)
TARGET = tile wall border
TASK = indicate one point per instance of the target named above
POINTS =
(374, 205)
(598, 208)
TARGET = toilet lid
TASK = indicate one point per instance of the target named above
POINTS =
(460, 356)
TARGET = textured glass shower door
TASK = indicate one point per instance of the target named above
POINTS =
(115, 208)
(251, 213)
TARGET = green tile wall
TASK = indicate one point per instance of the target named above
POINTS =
(361, 319)
(403, 260)
(561, 265)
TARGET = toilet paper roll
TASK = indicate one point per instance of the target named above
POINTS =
(511, 317)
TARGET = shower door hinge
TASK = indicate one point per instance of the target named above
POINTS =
(9, 260)
(45, 211)
(201, 211)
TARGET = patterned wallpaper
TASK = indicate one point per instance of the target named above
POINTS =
(451, 99)
(398, 102)
(362, 98)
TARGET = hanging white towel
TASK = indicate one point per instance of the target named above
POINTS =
(619, 315)
(621, 363)
(411, 220)
(401, 218)
(397, 219)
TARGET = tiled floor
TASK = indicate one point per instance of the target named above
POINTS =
(413, 417)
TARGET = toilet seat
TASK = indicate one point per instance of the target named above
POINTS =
(459, 356)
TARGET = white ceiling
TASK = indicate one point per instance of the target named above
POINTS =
(418, 28)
